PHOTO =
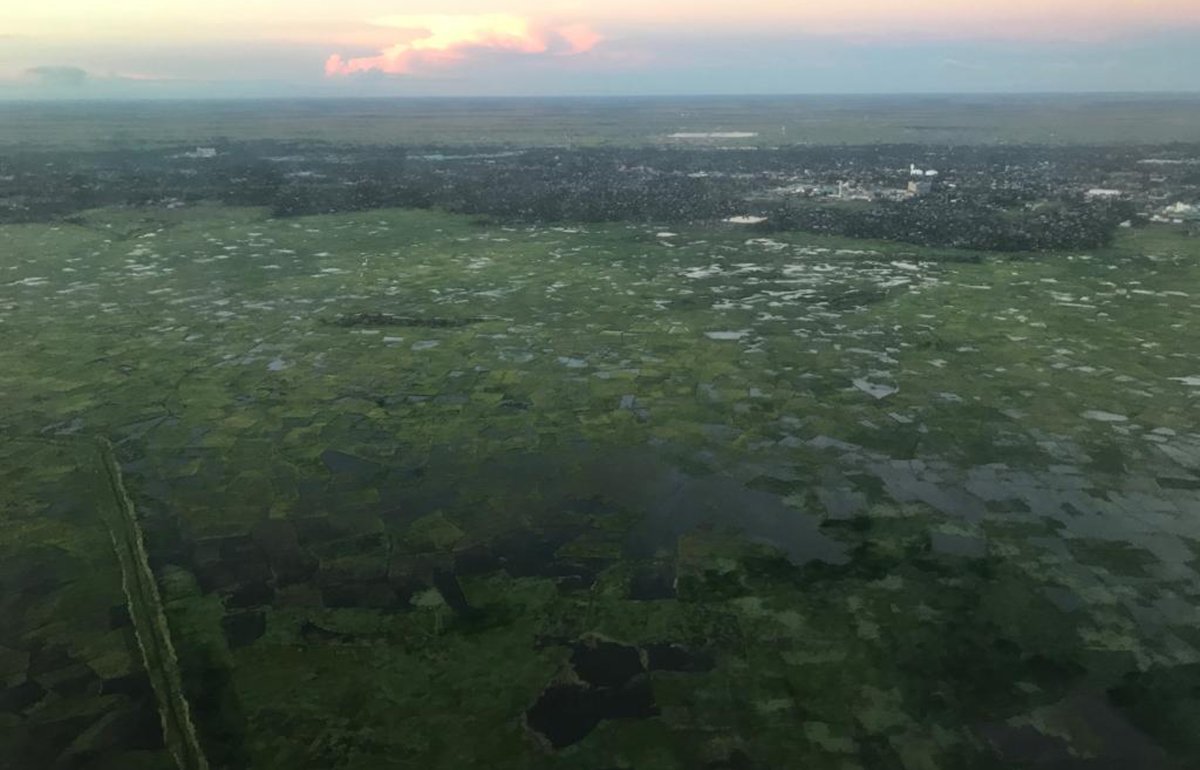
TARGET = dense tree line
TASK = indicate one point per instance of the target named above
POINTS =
(943, 220)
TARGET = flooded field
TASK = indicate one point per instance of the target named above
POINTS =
(401, 488)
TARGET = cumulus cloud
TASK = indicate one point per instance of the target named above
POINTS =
(430, 42)
(55, 75)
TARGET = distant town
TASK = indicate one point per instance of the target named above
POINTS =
(1005, 198)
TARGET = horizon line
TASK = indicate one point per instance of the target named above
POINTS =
(598, 96)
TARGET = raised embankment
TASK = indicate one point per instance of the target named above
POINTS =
(149, 620)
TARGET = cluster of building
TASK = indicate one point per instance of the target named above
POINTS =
(920, 180)
(1177, 213)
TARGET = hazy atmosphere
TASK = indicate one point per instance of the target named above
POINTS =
(77, 49)
(600, 386)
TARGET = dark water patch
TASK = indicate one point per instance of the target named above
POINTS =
(676, 504)
(135, 685)
(773, 485)
(257, 594)
(946, 127)
(608, 680)
(166, 543)
(227, 575)
(452, 593)
(605, 664)
(129, 729)
(118, 617)
(370, 320)
(46, 658)
(279, 542)
(75, 680)
(1063, 598)
(965, 546)
(737, 760)
(315, 529)
(44, 742)
(841, 503)
(311, 632)
(1165, 703)
(1007, 505)
(567, 491)
(1178, 482)
(530, 552)
(476, 559)
(32, 573)
(666, 656)
(573, 514)
(855, 298)
(377, 594)
(653, 582)
(215, 703)
(1026, 746)
(566, 713)
(906, 483)
(243, 628)
(1107, 458)
(1096, 736)
(1118, 558)
(343, 464)
(21, 697)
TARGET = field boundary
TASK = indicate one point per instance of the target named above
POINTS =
(149, 620)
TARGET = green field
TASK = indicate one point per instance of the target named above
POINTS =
(424, 491)
(1054, 119)
(75, 689)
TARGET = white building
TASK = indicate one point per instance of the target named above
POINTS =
(920, 187)
(1182, 211)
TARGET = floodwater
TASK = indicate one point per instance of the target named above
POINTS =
(447, 469)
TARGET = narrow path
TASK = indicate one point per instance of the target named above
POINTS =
(149, 620)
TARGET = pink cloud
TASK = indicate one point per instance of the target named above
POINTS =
(432, 42)
(579, 37)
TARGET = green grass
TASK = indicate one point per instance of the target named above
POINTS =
(62, 584)
(583, 398)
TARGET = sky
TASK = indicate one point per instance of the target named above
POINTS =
(95, 49)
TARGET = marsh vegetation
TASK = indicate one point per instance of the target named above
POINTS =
(493, 456)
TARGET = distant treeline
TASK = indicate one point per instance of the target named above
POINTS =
(996, 198)
(536, 195)
(943, 220)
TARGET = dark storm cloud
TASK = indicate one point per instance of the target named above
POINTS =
(57, 75)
